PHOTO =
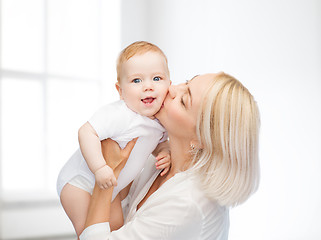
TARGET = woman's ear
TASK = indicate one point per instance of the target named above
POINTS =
(119, 90)
(195, 145)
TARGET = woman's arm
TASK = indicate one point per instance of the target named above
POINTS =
(116, 158)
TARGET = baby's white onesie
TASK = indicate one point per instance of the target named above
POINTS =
(118, 122)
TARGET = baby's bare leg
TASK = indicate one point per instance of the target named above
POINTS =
(75, 202)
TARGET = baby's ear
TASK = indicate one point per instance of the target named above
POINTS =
(119, 90)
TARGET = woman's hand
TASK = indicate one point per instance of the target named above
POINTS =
(116, 157)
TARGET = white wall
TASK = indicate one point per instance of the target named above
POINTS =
(63, 66)
(274, 48)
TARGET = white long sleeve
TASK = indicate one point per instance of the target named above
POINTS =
(153, 224)
(97, 231)
(177, 210)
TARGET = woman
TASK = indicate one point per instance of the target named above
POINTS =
(212, 123)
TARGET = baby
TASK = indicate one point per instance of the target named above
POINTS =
(142, 83)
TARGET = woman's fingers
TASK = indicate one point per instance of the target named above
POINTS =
(116, 157)
(114, 181)
(129, 147)
(111, 152)
(124, 155)
(109, 144)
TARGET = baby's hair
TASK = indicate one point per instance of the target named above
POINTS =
(136, 48)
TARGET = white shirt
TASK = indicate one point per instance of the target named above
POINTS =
(118, 122)
(177, 210)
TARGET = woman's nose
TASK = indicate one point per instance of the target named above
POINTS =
(173, 90)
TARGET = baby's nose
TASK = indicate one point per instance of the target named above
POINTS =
(148, 86)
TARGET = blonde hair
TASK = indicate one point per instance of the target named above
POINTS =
(136, 48)
(228, 129)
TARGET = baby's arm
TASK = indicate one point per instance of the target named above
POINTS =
(163, 156)
(90, 147)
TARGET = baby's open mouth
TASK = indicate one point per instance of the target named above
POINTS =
(148, 100)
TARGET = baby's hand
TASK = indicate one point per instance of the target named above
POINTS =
(105, 177)
(163, 162)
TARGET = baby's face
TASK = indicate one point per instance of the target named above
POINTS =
(144, 83)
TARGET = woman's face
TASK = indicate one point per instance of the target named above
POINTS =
(181, 105)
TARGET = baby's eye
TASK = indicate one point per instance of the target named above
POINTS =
(137, 80)
(156, 78)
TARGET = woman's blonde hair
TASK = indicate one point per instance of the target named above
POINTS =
(136, 48)
(228, 129)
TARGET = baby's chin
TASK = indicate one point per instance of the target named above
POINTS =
(152, 116)
(159, 110)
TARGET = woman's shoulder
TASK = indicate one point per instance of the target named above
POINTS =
(190, 192)
(214, 217)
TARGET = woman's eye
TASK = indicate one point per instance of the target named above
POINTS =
(137, 80)
(156, 78)
(182, 102)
